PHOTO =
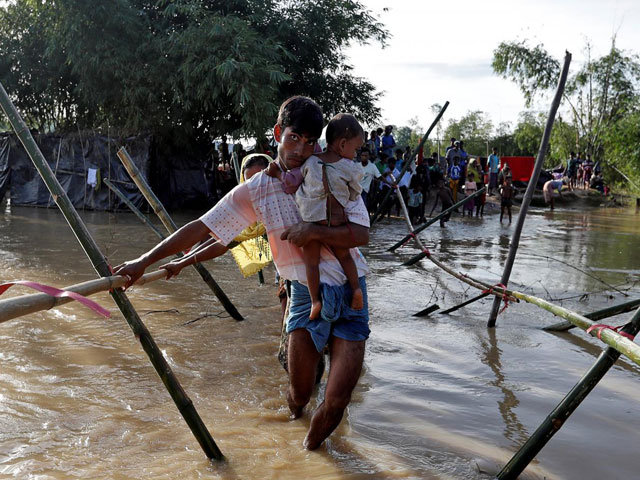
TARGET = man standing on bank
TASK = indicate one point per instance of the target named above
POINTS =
(262, 199)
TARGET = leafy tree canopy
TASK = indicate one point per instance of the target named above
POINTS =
(186, 68)
(602, 98)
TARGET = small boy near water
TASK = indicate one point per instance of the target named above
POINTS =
(415, 200)
(446, 199)
(329, 180)
(506, 192)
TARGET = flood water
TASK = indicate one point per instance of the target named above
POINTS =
(438, 395)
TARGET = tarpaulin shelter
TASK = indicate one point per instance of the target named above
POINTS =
(80, 161)
(521, 167)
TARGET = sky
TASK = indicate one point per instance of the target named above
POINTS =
(442, 50)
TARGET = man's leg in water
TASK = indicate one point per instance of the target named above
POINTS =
(303, 361)
(346, 364)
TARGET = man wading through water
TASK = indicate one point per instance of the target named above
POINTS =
(263, 199)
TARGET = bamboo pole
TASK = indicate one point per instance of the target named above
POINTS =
(426, 311)
(565, 408)
(608, 336)
(464, 304)
(171, 227)
(133, 208)
(526, 201)
(420, 228)
(597, 315)
(408, 163)
(15, 307)
(99, 262)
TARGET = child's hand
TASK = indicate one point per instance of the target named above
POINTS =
(172, 268)
(273, 170)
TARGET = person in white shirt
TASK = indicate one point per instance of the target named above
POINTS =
(370, 172)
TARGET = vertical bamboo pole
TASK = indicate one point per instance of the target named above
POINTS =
(407, 164)
(566, 407)
(99, 262)
(171, 227)
(526, 201)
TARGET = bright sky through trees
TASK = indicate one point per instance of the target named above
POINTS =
(443, 50)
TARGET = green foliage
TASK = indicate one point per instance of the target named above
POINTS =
(533, 69)
(528, 133)
(601, 97)
(181, 68)
(622, 144)
(474, 128)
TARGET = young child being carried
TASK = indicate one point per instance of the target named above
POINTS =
(329, 181)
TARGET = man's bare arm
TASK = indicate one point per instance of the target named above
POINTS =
(344, 236)
(182, 239)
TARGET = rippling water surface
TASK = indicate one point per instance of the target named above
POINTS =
(439, 395)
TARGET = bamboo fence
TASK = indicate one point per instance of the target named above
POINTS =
(171, 227)
(408, 163)
(533, 181)
(100, 264)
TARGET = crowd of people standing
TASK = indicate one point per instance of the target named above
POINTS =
(390, 170)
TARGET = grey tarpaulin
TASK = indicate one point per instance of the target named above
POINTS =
(177, 177)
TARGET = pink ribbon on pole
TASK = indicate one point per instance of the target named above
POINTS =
(56, 292)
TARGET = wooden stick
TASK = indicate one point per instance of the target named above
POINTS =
(464, 304)
(23, 305)
(420, 228)
(408, 163)
(565, 408)
(133, 208)
(427, 311)
(526, 201)
(597, 315)
(99, 262)
(171, 227)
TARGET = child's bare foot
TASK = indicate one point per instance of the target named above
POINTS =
(357, 300)
(316, 308)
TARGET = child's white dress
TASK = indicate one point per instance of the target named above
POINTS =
(343, 178)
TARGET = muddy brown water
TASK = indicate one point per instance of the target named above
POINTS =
(439, 395)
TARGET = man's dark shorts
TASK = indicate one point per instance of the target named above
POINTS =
(337, 317)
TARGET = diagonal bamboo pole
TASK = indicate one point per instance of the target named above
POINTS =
(133, 208)
(99, 262)
(526, 201)
(15, 307)
(608, 336)
(171, 227)
(464, 304)
(565, 408)
(420, 228)
(597, 315)
(406, 165)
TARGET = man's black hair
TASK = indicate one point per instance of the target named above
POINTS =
(343, 125)
(398, 150)
(303, 115)
(365, 149)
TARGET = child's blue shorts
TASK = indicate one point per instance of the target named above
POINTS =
(337, 317)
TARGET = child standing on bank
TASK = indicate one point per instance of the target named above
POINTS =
(331, 179)
(506, 192)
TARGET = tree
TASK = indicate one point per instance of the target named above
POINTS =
(191, 69)
(600, 93)
(474, 129)
(528, 133)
